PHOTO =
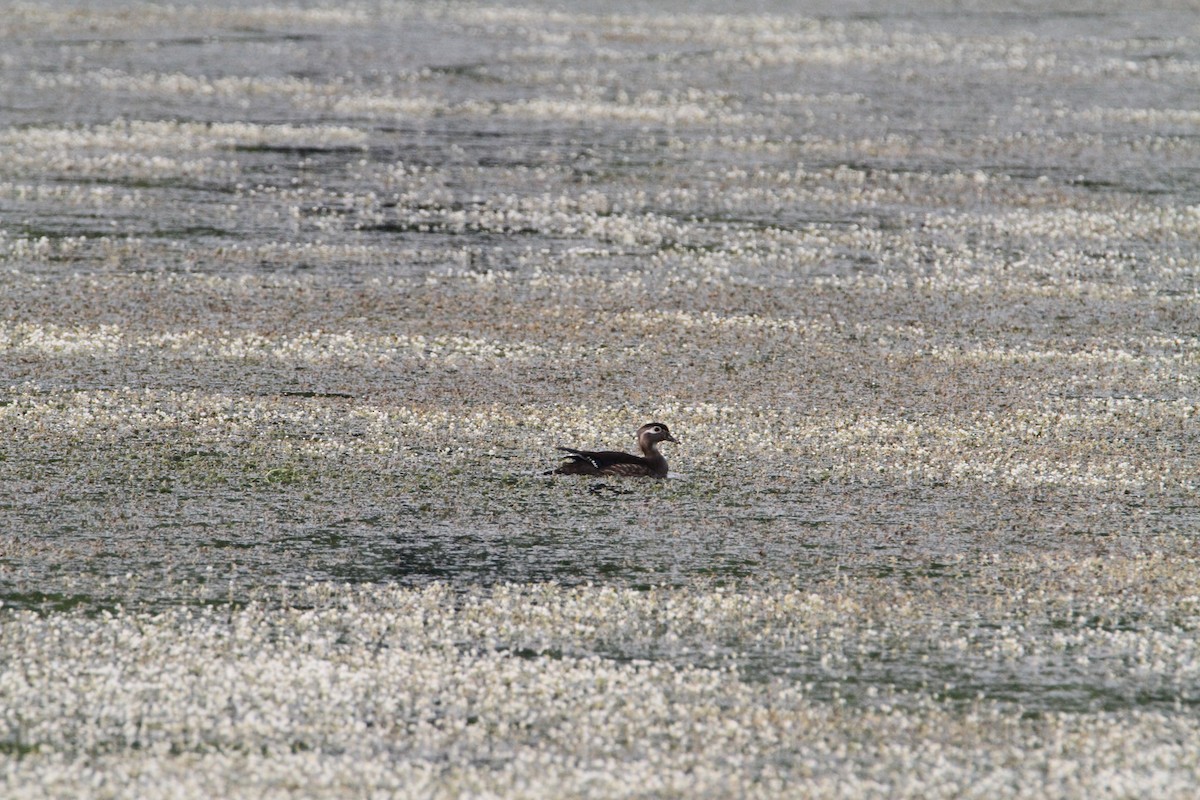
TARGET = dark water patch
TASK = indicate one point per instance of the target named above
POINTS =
(194, 232)
(300, 151)
(478, 71)
(55, 602)
(215, 39)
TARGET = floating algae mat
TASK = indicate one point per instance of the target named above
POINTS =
(296, 302)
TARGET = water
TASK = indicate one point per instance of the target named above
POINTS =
(309, 294)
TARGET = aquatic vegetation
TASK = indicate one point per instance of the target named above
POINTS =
(503, 691)
(296, 303)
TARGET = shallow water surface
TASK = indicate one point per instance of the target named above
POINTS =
(297, 302)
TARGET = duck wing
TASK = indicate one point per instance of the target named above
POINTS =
(603, 462)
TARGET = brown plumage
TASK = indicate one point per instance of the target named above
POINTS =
(611, 462)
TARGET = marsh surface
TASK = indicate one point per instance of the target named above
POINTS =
(297, 301)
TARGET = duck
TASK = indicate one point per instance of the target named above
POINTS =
(650, 464)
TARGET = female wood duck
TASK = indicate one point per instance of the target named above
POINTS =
(611, 462)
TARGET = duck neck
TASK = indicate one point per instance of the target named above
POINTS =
(649, 448)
